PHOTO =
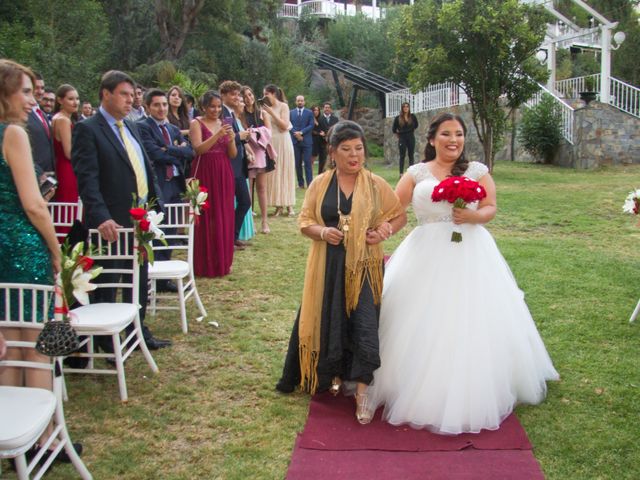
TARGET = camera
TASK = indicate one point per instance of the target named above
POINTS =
(264, 101)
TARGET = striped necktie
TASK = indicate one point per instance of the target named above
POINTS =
(136, 163)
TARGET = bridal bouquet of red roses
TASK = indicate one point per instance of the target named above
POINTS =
(460, 191)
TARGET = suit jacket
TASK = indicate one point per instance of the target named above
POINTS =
(239, 164)
(41, 144)
(160, 154)
(302, 123)
(325, 125)
(105, 176)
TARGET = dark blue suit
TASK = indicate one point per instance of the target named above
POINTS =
(240, 173)
(168, 161)
(302, 148)
(106, 181)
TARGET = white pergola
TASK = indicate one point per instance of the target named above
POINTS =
(600, 29)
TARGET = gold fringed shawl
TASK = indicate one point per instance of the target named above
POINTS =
(373, 203)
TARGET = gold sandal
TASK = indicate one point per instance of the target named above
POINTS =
(336, 384)
(363, 414)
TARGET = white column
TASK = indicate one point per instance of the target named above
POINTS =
(551, 65)
(605, 64)
(373, 6)
(298, 12)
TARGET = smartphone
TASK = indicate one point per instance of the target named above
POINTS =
(48, 184)
(227, 121)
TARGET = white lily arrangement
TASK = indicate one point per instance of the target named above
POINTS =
(632, 203)
(146, 227)
(74, 279)
(197, 196)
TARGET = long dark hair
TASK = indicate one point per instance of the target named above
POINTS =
(405, 119)
(277, 91)
(182, 120)
(206, 99)
(430, 152)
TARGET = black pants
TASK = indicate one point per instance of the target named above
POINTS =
(243, 203)
(406, 142)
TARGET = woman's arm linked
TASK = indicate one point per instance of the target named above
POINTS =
(17, 152)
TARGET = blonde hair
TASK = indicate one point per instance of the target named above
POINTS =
(10, 82)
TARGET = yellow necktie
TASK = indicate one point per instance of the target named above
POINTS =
(136, 163)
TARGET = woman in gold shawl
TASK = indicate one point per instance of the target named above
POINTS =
(347, 213)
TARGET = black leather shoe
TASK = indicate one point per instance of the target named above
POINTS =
(167, 286)
(156, 344)
(241, 243)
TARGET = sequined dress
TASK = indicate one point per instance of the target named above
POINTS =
(25, 256)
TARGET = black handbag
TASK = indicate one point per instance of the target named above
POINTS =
(271, 164)
(57, 339)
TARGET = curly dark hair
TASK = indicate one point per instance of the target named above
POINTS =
(430, 152)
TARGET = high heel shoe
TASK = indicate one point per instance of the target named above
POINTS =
(278, 212)
(265, 228)
(290, 212)
(363, 414)
(336, 384)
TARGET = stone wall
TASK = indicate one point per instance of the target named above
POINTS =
(604, 136)
(371, 121)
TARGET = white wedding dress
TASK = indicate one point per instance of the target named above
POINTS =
(458, 346)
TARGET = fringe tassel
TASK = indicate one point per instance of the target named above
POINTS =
(370, 269)
(308, 367)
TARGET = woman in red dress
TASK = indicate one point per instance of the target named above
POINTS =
(66, 115)
(213, 143)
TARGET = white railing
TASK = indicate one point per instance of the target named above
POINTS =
(288, 11)
(566, 111)
(623, 96)
(327, 9)
(571, 87)
(441, 95)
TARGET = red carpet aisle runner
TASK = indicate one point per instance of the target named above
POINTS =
(334, 446)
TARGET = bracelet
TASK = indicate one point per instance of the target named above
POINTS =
(322, 232)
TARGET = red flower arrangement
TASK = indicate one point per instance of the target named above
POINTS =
(146, 230)
(460, 191)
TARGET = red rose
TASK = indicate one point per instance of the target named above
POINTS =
(204, 206)
(144, 225)
(137, 213)
(85, 262)
(203, 189)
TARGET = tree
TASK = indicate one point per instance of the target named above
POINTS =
(66, 41)
(540, 131)
(175, 20)
(486, 47)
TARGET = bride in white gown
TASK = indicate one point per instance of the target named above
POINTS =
(458, 346)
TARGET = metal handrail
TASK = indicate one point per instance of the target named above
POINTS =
(566, 111)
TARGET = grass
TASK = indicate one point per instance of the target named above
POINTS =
(212, 411)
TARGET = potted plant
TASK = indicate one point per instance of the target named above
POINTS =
(589, 94)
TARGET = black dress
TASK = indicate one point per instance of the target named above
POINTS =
(349, 346)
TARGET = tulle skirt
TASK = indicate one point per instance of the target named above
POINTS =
(458, 346)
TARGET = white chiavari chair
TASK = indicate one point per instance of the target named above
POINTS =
(180, 238)
(25, 412)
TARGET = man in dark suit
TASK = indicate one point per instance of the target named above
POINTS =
(40, 134)
(169, 153)
(325, 122)
(230, 94)
(111, 165)
(302, 121)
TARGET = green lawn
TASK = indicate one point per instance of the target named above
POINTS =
(212, 411)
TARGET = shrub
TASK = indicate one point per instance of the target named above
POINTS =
(541, 129)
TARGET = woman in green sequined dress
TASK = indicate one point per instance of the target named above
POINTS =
(30, 251)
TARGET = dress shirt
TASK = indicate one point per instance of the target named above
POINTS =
(116, 131)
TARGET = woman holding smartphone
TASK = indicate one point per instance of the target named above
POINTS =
(213, 143)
